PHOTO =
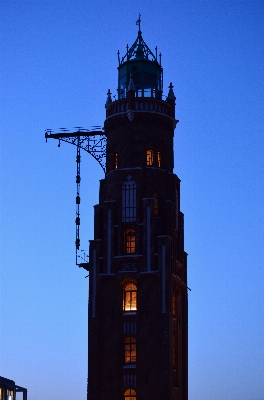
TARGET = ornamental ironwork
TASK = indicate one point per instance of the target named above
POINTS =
(94, 142)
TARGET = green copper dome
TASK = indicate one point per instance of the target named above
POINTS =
(145, 68)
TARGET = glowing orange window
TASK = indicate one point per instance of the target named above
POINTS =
(130, 297)
(150, 157)
(159, 159)
(130, 394)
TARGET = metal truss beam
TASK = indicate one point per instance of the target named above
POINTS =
(94, 142)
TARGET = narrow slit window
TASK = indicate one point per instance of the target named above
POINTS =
(156, 204)
(159, 159)
(130, 241)
(116, 160)
(173, 301)
(150, 157)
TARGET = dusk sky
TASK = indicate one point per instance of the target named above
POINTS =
(58, 59)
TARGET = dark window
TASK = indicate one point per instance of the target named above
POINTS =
(130, 297)
(156, 204)
(130, 241)
(115, 241)
(130, 350)
(173, 300)
(129, 200)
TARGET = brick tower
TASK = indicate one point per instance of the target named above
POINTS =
(138, 327)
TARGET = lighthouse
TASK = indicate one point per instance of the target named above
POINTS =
(138, 310)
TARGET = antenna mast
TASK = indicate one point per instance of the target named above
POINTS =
(78, 198)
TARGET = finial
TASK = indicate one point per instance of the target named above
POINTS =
(138, 22)
(131, 85)
(108, 99)
(171, 95)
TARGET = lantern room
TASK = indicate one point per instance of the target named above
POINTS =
(145, 68)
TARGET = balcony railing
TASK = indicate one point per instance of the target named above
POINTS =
(129, 324)
(141, 104)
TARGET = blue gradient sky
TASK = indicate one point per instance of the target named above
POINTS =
(58, 58)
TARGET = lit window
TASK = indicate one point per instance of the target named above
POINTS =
(130, 297)
(130, 241)
(116, 160)
(149, 157)
(159, 159)
(156, 204)
(129, 200)
(9, 394)
(130, 344)
(130, 394)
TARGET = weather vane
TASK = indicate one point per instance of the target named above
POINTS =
(138, 22)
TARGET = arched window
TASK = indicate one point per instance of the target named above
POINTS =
(130, 241)
(130, 394)
(156, 204)
(130, 297)
(150, 157)
(159, 159)
(130, 349)
(129, 200)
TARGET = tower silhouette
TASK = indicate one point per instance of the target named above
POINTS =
(138, 322)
